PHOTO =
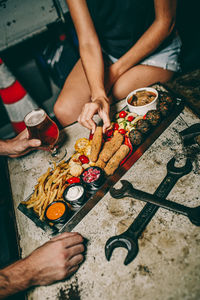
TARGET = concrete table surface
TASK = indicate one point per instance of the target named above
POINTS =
(167, 266)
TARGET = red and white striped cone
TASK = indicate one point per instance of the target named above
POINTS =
(15, 98)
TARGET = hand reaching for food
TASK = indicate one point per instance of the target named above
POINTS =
(98, 106)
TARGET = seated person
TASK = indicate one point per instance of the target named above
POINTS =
(123, 45)
(55, 260)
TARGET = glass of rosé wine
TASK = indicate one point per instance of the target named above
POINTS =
(41, 126)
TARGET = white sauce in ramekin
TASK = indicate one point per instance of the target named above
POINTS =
(74, 193)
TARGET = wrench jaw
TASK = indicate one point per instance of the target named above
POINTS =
(124, 242)
(123, 191)
(131, 254)
(186, 169)
(111, 244)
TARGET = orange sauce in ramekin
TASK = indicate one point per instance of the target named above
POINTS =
(55, 211)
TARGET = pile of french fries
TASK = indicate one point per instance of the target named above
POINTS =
(50, 187)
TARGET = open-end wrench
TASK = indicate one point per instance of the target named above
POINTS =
(127, 190)
(129, 238)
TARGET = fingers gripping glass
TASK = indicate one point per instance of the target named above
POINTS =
(41, 126)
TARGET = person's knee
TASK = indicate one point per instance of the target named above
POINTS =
(120, 91)
(58, 109)
(66, 111)
(61, 112)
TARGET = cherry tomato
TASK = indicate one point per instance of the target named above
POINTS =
(73, 180)
(144, 117)
(130, 118)
(122, 114)
(116, 126)
(109, 132)
(122, 131)
(84, 159)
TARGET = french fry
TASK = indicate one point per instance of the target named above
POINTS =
(62, 164)
(40, 204)
(34, 203)
(59, 189)
(40, 212)
(42, 178)
(57, 184)
(61, 176)
(43, 210)
(62, 191)
(51, 178)
(36, 210)
(53, 196)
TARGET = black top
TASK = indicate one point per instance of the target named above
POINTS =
(120, 23)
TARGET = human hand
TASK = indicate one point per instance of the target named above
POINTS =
(99, 105)
(20, 145)
(56, 260)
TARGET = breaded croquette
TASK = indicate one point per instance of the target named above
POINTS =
(114, 162)
(100, 163)
(96, 144)
(111, 147)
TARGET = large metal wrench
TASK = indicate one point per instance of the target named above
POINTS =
(129, 239)
(127, 190)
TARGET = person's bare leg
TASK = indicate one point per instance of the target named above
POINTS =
(76, 92)
(73, 96)
(137, 77)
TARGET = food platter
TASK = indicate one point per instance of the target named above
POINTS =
(92, 198)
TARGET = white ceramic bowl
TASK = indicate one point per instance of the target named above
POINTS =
(143, 109)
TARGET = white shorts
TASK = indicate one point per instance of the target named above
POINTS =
(167, 58)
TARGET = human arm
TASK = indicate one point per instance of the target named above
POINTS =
(55, 260)
(160, 29)
(19, 145)
(93, 64)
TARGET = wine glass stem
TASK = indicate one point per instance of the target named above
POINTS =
(54, 151)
